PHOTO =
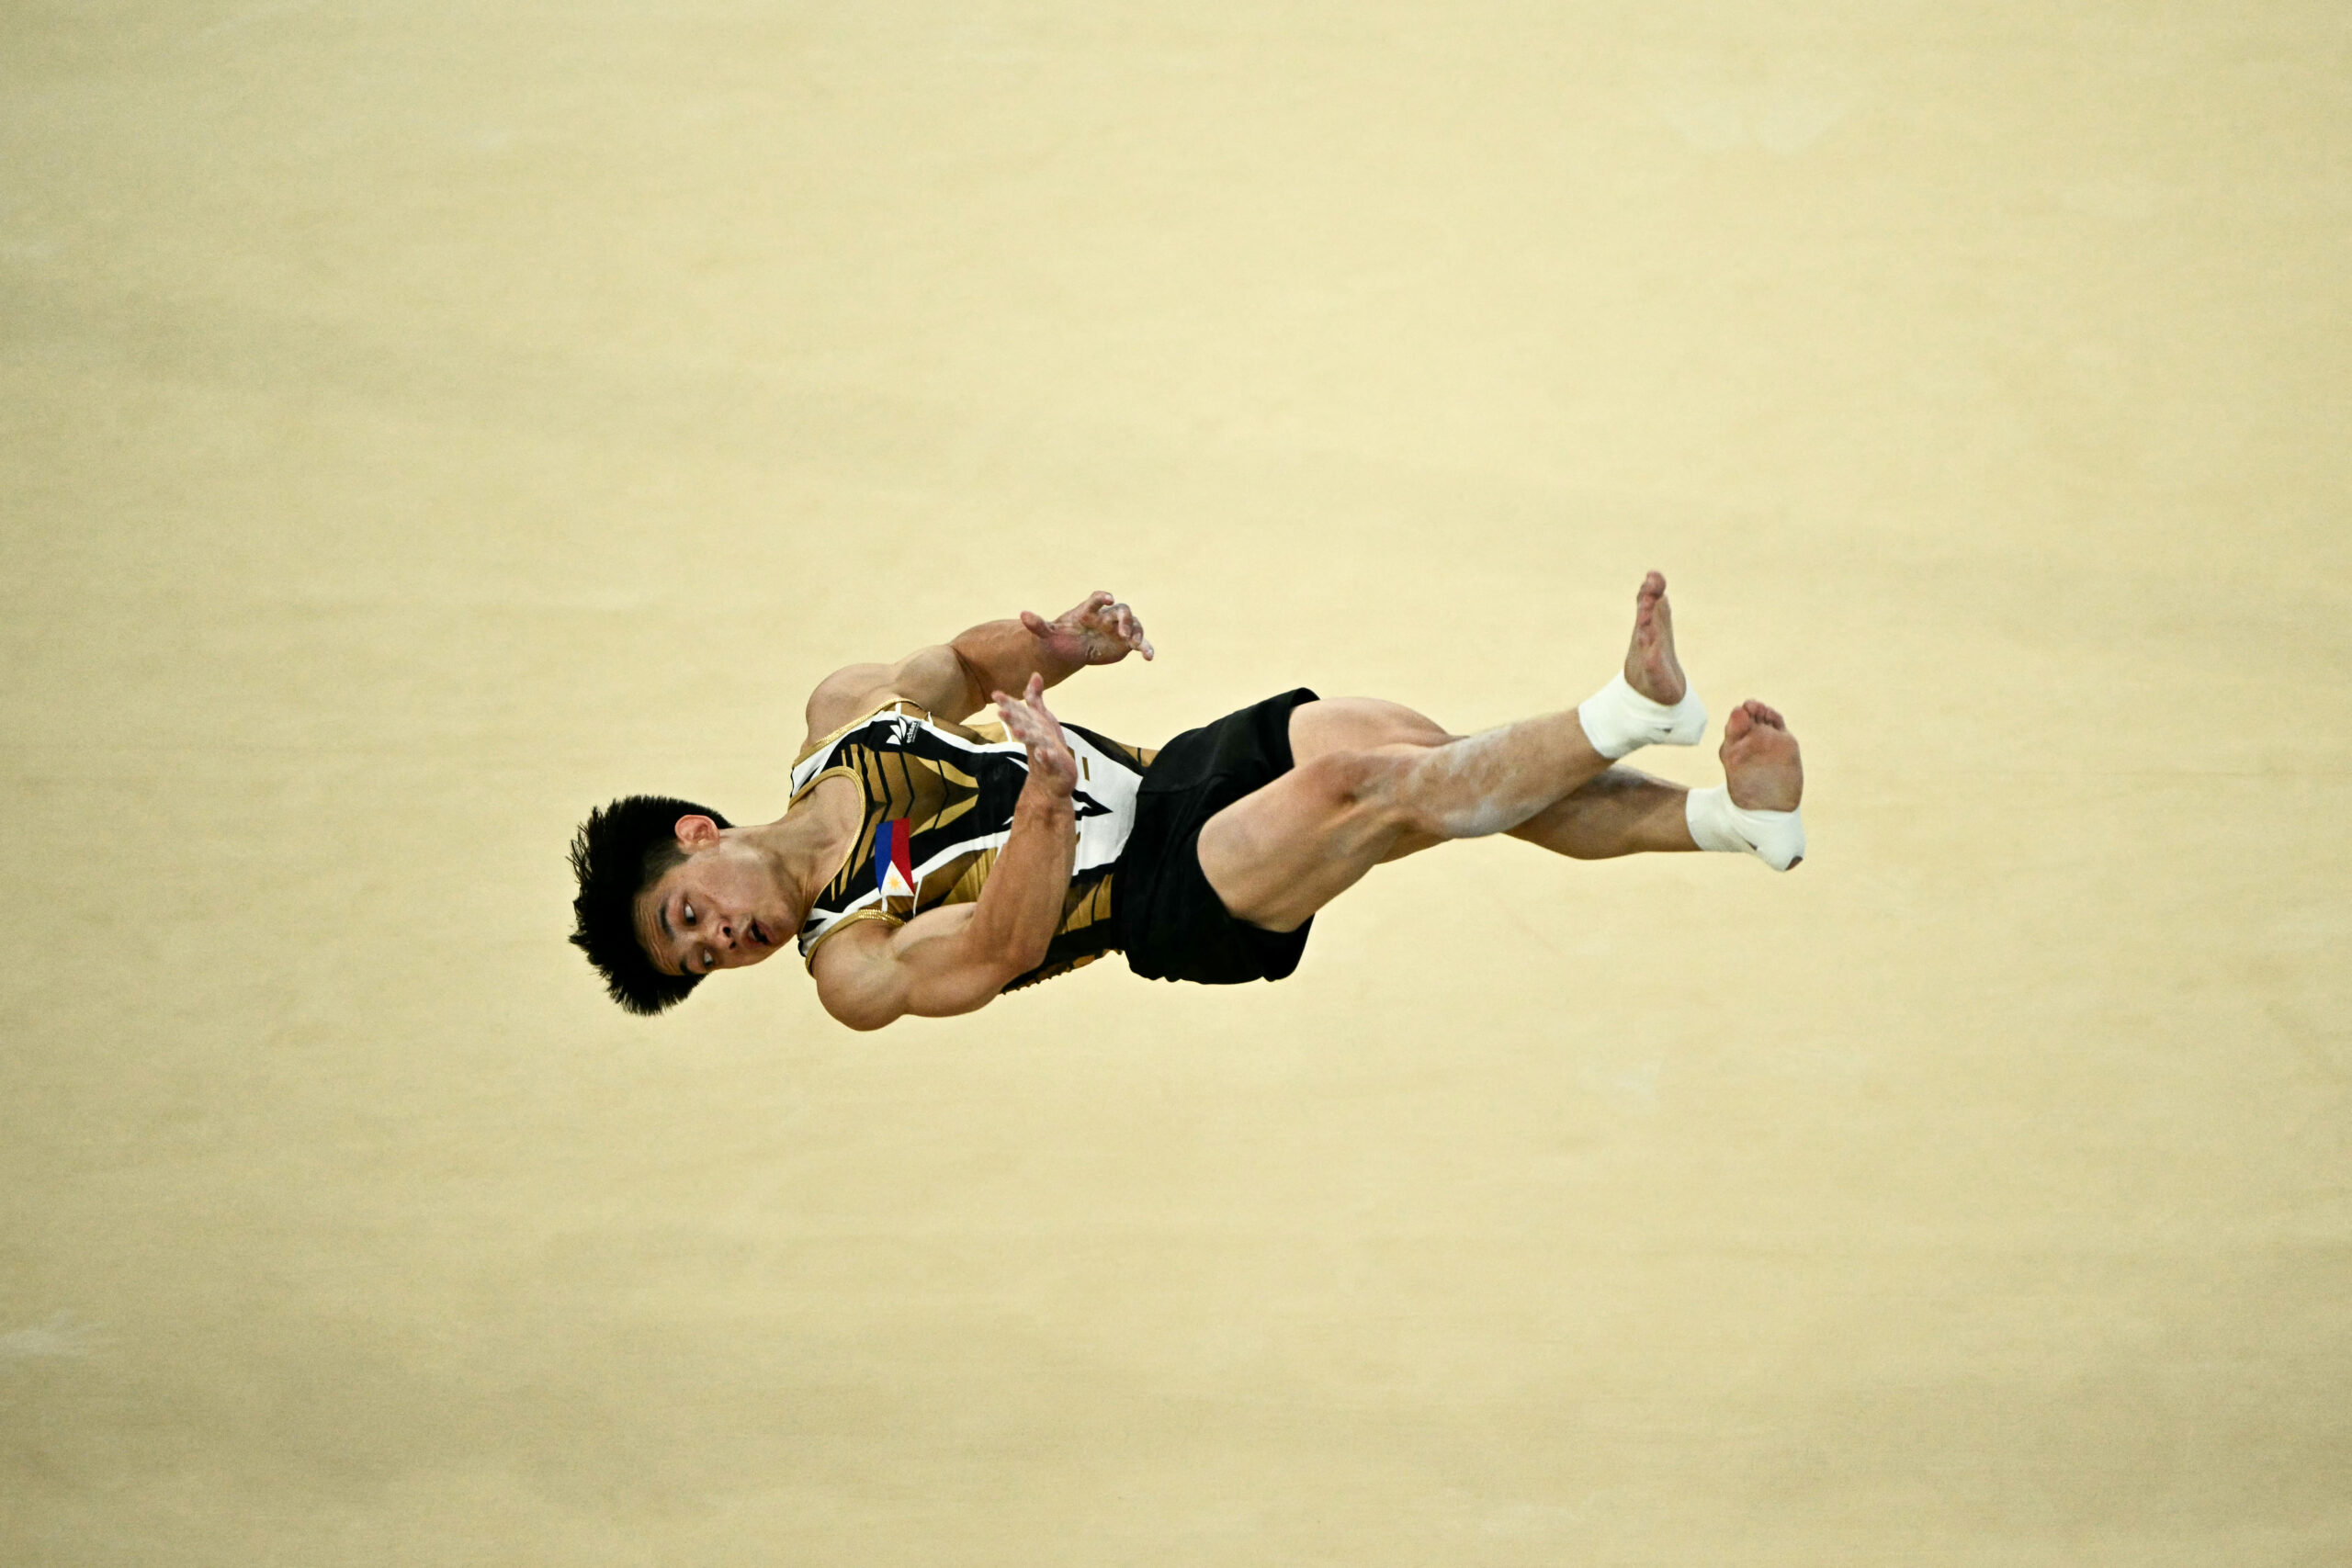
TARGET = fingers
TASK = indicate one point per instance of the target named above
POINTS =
(1122, 624)
(1031, 695)
(1110, 626)
(1026, 718)
(1130, 630)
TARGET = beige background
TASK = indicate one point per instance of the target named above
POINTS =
(420, 423)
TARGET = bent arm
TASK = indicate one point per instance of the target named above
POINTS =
(956, 960)
(953, 679)
(953, 961)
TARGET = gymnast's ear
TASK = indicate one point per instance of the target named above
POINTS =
(697, 832)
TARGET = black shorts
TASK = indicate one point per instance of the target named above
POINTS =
(1171, 922)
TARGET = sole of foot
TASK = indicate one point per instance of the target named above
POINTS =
(1762, 766)
(1651, 667)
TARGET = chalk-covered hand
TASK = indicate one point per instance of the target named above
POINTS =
(1051, 766)
(1099, 631)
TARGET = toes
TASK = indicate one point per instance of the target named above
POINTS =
(1646, 597)
(1652, 617)
(1752, 714)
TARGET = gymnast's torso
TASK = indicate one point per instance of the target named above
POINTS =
(938, 805)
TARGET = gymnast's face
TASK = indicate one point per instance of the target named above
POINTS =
(721, 907)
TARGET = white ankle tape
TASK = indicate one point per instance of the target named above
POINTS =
(1618, 720)
(1776, 837)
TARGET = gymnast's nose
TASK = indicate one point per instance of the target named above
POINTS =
(743, 938)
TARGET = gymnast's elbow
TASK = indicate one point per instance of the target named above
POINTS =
(864, 1014)
(1023, 955)
(996, 951)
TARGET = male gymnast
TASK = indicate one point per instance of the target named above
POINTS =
(927, 865)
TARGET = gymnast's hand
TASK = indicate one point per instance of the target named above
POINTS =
(1097, 632)
(1051, 766)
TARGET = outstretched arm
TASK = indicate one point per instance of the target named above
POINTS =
(953, 679)
(956, 960)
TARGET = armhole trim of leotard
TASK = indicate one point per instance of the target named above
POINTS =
(808, 959)
(839, 770)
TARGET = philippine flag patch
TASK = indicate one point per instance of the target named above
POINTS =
(894, 871)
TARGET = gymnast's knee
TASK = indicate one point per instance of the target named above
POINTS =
(1364, 785)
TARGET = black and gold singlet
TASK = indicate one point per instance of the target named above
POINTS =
(939, 801)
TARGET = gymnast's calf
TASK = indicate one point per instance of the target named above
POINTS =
(925, 865)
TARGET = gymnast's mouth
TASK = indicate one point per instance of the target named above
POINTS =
(760, 937)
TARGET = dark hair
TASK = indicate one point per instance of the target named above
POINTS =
(618, 852)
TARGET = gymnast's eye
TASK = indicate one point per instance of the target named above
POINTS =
(688, 911)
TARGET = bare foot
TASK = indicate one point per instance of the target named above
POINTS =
(1651, 668)
(1761, 766)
